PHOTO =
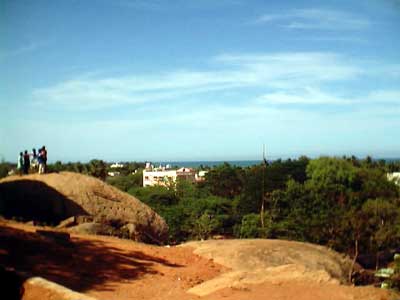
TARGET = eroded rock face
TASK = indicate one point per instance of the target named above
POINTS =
(257, 261)
(52, 198)
(93, 228)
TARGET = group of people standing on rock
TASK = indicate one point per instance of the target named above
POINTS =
(36, 161)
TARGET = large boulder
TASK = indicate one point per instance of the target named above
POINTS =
(52, 198)
(256, 261)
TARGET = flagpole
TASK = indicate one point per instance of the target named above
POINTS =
(262, 211)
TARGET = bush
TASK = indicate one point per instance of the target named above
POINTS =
(4, 169)
(251, 227)
(125, 183)
(205, 225)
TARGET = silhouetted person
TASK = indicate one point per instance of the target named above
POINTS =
(44, 158)
(27, 162)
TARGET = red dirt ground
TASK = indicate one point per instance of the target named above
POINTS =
(110, 268)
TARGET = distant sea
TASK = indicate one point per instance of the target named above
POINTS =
(205, 163)
(389, 159)
(238, 163)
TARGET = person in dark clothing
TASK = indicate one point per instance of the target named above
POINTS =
(27, 162)
(40, 161)
(44, 155)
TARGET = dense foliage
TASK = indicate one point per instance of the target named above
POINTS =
(129, 173)
(5, 168)
(345, 203)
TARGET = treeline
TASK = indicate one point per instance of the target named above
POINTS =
(129, 175)
(345, 203)
(6, 167)
(96, 167)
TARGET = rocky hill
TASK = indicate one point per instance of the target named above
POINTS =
(97, 267)
(255, 261)
(51, 198)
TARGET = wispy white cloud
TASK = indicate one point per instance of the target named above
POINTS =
(308, 95)
(249, 122)
(298, 68)
(138, 4)
(316, 96)
(391, 71)
(247, 118)
(333, 38)
(4, 54)
(250, 116)
(385, 96)
(157, 5)
(266, 71)
(278, 79)
(94, 93)
(324, 19)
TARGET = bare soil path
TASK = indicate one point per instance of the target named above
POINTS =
(110, 268)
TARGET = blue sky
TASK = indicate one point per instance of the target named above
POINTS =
(199, 79)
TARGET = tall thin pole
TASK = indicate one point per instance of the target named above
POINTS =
(262, 211)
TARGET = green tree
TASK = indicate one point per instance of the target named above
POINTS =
(374, 184)
(205, 225)
(157, 197)
(185, 189)
(4, 168)
(58, 166)
(332, 175)
(225, 181)
(383, 224)
(259, 182)
(98, 168)
(125, 183)
(250, 226)
(214, 213)
(175, 216)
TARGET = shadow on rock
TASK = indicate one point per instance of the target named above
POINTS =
(34, 200)
(12, 285)
(81, 265)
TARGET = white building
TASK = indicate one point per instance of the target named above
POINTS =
(165, 177)
(201, 176)
(395, 177)
(113, 174)
(158, 177)
(116, 166)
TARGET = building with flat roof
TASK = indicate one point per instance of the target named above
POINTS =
(395, 177)
(116, 165)
(165, 177)
(158, 177)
